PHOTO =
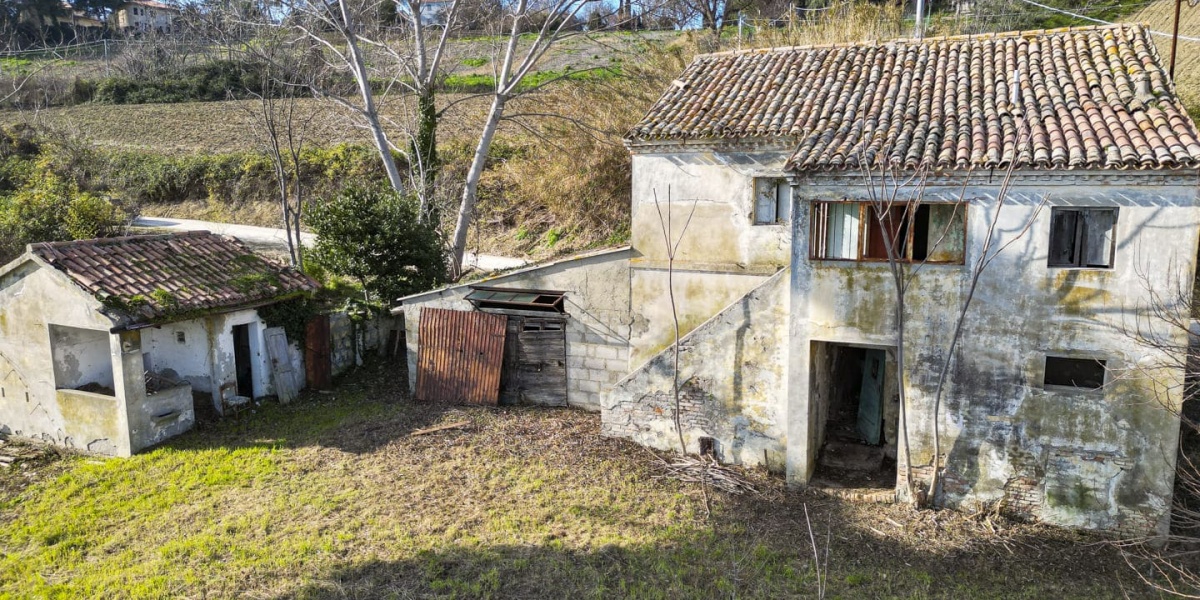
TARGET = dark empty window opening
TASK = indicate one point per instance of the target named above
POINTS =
(517, 299)
(1082, 237)
(1081, 373)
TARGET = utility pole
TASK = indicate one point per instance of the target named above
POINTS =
(1174, 37)
(919, 30)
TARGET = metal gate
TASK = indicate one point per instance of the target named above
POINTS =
(460, 356)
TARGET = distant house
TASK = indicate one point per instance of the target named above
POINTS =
(433, 12)
(104, 343)
(788, 355)
(146, 16)
(82, 23)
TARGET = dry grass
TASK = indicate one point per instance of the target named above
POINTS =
(847, 22)
(331, 498)
(214, 127)
(1160, 16)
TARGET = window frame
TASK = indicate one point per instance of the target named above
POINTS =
(1081, 236)
(779, 182)
(1074, 389)
(818, 228)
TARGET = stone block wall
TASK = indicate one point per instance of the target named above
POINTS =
(371, 335)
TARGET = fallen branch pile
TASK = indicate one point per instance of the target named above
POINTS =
(704, 470)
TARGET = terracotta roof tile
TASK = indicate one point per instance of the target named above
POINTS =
(151, 278)
(1094, 97)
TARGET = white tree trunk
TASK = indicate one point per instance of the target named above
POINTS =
(370, 112)
(466, 210)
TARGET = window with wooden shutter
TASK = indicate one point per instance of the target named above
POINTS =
(918, 233)
(1082, 237)
(772, 201)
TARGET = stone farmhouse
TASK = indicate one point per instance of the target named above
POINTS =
(106, 345)
(763, 164)
(144, 16)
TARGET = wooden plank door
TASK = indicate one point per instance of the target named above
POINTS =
(542, 361)
(460, 356)
(281, 367)
(870, 400)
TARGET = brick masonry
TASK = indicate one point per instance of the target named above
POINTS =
(731, 381)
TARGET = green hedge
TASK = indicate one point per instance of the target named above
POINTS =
(137, 178)
(215, 80)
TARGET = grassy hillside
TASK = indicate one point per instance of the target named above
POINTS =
(1160, 16)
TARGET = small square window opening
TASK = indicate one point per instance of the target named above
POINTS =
(1082, 237)
(1080, 373)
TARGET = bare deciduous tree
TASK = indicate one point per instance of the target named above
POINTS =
(1164, 331)
(334, 34)
(522, 51)
(280, 122)
(893, 204)
(671, 244)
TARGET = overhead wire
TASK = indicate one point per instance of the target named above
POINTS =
(1103, 22)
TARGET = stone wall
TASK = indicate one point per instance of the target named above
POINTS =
(598, 317)
(350, 342)
(732, 379)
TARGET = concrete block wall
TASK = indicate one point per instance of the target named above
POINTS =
(595, 362)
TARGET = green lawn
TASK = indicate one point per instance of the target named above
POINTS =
(331, 498)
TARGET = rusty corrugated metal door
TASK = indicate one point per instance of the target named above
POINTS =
(460, 356)
(317, 352)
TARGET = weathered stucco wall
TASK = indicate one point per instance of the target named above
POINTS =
(150, 418)
(722, 254)
(31, 299)
(733, 385)
(188, 360)
(1097, 459)
(80, 356)
(161, 415)
(598, 311)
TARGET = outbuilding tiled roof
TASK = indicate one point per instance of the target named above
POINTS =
(152, 278)
(1093, 98)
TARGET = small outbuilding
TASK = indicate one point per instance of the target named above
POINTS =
(106, 344)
